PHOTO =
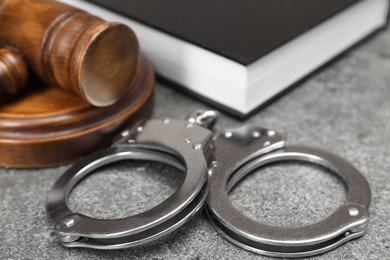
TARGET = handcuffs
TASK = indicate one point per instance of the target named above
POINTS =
(212, 166)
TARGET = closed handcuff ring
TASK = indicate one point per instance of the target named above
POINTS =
(213, 166)
(238, 154)
(184, 145)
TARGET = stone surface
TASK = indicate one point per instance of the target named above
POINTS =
(344, 108)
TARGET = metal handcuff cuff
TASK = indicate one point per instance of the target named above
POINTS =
(213, 166)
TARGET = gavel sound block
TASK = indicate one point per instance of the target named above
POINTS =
(45, 124)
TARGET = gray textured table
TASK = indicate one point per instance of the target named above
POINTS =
(344, 108)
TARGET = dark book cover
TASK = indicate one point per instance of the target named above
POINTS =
(241, 30)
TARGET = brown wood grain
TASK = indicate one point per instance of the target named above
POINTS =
(13, 71)
(72, 49)
(45, 126)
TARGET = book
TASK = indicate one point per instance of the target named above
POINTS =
(241, 54)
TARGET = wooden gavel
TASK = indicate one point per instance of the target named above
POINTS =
(66, 47)
(13, 71)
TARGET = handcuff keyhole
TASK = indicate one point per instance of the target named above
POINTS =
(289, 194)
(123, 189)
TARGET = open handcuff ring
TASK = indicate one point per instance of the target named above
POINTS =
(213, 165)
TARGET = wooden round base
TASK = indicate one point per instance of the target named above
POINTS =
(47, 126)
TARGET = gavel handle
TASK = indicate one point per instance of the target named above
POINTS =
(13, 71)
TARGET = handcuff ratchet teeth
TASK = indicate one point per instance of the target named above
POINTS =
(212, 166)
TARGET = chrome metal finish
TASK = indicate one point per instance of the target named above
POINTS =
(203, 118)
(212, 166)
(164, 141)
(244, 150)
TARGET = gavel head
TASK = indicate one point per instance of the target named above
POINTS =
(72, 49)
(104, 63)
